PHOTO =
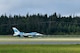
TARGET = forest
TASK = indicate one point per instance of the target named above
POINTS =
(54, 24)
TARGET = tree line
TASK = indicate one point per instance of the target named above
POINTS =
(49, 25)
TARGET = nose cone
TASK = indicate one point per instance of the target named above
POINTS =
(38, 34)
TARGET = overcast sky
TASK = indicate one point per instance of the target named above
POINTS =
(64, 7)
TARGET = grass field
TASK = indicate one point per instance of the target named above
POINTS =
(44, 36)
(39, 48)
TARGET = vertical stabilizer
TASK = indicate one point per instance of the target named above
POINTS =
(16, 31)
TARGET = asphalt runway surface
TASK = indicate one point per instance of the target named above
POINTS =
(40, 41)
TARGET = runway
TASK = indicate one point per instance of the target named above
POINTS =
(39, 40)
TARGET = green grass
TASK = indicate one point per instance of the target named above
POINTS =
(8, 36)
(44, 36)
(62, 36)
(39, 48)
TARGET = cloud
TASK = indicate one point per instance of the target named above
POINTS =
(39, 6)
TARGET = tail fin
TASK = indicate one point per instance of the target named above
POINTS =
(16, 31)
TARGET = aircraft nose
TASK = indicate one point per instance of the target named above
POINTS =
(38, 34)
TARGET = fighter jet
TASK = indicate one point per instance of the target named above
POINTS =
(22, 34)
